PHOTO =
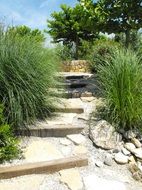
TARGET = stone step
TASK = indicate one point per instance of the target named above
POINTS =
(73, 75)
(70, 105)
(72, 84)
(43, 167)
(51, 131)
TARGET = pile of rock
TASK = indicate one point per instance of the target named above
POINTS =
(127, 151)
(76, 66)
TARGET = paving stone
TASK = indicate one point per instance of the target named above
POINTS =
(71, 178)
(94, 182)
(80, 150)
(77, 139)
(22, 183)
(41, 150)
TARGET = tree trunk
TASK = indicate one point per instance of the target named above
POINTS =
(127, 42)
(76, 48)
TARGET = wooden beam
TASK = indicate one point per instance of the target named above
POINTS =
(43, 167)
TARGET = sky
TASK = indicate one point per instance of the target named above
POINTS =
(32, 13)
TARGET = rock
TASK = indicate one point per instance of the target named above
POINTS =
(129, 134)
(131, 159)
(136, 172)
(80, 150)
(108, 160)
(65, 142)
(86, 94)
(130, 146)
(77, 139)
(104, 135)
(138, 152)
(71, 178)
(136, 142)
(121, 158)
(139, 164)
(125, 151)
(93, 182)
(98, 163)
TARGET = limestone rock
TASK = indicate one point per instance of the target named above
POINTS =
(130, 146)
(138, 152)
(87, 99)
(121, 158)
(104, 135)
(65, 142)
(125, 151)
(129, 134)
(71, 178)
(136, 142)
(93, 182)
(77, 139)
(80, 150)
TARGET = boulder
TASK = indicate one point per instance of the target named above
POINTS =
(104, 136)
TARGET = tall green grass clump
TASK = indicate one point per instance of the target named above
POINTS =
(121, 81)
(102, 52)
(27, 73)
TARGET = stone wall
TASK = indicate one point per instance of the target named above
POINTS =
(76, 66)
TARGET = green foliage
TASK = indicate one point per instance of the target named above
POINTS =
(27, 73)
(70, 26)
(121, 84)
(8, 143)
(102, 52)
(116, 16)
(25, 31)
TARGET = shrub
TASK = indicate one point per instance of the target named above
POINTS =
(26, 75)
(8, 144)
(121, 84)
(102, 52)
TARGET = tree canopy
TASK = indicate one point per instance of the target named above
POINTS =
(117, 16)
(23, 30)
(71, 26)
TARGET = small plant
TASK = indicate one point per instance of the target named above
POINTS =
(8, 143)
(121, 82)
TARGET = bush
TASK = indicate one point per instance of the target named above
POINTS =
(26, 75)
(121, 84)
(8, 144)
(102, 52)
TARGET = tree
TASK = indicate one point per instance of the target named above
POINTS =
(71, 26)
(23, 30)
(120, 16)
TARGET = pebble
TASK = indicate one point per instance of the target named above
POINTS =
(136, 142)
(130, 146)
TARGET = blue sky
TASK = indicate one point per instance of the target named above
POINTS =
(32, 13)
